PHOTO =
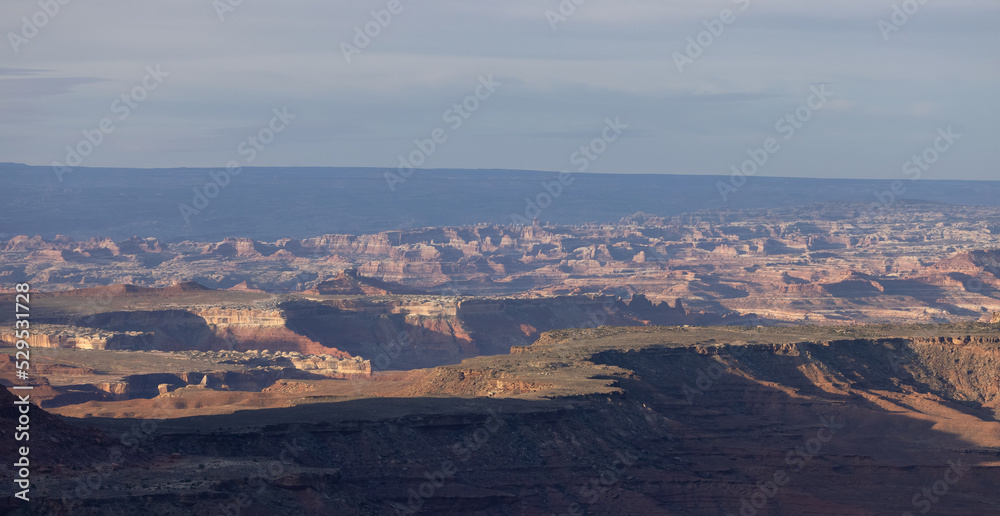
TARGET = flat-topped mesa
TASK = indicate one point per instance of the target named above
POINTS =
(988, 260)
(184, 287)
(660, 313)
(59, 336)
(349, 282)
(239, 247)
(106, 293)
(222, 316)
(263, 370)
(240, 329)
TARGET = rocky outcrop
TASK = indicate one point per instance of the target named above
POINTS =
(327, 365)
(241, 317)
(261, 371)
(348, 282)
(117, 391)
(55, 336)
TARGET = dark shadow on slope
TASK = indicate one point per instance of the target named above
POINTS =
(655, 448)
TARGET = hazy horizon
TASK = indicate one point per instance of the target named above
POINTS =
(217, 72)
(720, 174)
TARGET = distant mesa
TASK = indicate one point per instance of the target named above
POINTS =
(106, 290)
(988, 260)
(348, 283)
(123, 290)
(185, 286)
(854, 284)
(239, 248)
(244, 286)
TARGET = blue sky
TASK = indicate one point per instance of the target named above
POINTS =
(557, 86)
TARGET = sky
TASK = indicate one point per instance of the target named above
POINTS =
(204, 83)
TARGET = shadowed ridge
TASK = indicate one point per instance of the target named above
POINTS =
(349, 282)
(185, 286)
